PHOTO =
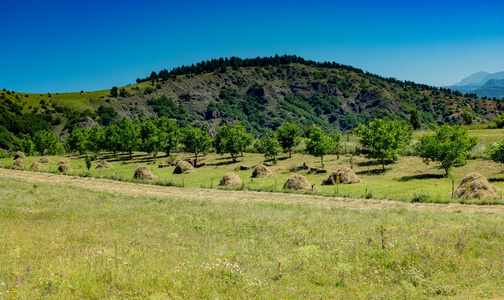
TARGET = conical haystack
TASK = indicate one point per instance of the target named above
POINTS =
(344, 175)
(103, 165)
(19, 163)
(230, 179)
(19, 155)
(474, 186)
(37, 166)
(45, 160)
(63, 161)
(261, 171)
(183, 167)
(297, 182)
(65, 168)
(143, 173)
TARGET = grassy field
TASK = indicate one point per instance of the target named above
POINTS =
(59, 242)
(401, 180)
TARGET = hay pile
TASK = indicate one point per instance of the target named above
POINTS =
(37, 166)
(477, 186)
(19, 155)
(65, 168)
(143, 173)
(244, 167)
(63, 161)
(103, 165)
(183, 167)
(45, 160)
(297, 182)
(165, 165)
(346, 176)
(230, 179)
(19, 163)
(261, 171)
(199, 164)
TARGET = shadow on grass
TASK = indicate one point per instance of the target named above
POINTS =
(373, 172)
(369, 163)
(229, 162)
(420, 177)
(495, 179)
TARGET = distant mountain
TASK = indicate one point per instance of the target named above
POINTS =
(473, 79)
(483, 84)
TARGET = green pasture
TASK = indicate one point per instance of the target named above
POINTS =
(60, 242)
(401, 181)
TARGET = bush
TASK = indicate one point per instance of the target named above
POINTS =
(420, 197)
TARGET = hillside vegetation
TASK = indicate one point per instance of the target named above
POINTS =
(261, 93)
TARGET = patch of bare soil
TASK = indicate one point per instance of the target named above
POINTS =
(147, 190)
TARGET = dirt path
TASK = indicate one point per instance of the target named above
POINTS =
(134, 189)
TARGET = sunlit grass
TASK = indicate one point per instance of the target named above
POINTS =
(61, 242)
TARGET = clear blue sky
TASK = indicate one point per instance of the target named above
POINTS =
(73, 45)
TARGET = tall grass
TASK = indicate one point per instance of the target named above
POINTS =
(61, 242)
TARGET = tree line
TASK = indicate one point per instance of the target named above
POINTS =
(382, 139)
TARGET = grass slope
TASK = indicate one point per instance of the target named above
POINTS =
(68, 243)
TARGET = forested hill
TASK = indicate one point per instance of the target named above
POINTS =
(262, 93)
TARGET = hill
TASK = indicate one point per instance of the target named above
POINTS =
(262, 93)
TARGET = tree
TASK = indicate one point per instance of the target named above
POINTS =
(496, 151)
(114, 92)
(170, 134)
(78, 140)
(319, 144)
(195, 140)
(112, 139)
(337, 145)
(96, 139)
(45, 141)
(268, 145)
(24, 144)
(499, 121)
(129, 135)
(150, 134)
(232, 139)
(384, 139)
(467, 117)
(448, 146)
(288, 136)
(415, 119)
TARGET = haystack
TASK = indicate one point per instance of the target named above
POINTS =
(45, 160)
(37, 166)
(244, 167)
(230, 179)
(165, 165)
(19, 163)
(183, 167)
(345, 176)
(103, 165)
(297, 182)
(143, 173)
(476, 186)
(19, 155)
(65, 168)
(316, 170)
(261, 171)
(63, 161)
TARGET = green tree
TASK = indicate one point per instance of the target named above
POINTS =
(268, 145)
(112, 139)
(499, 121)
(24, 144)
(447, 145)
(150, 134)
(319, 144)
(114, 92)
(78, 140)
(289, 136)
(88, 162)
(384, 139)
(415, 119)
(196, 140)
(170, 134)
(467, 117)
(337, 144)
(129, 136)
(45, 141)
(96, 139)
(496, 151)
(232, 139)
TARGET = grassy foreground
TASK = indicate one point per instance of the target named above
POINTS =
(59, 242)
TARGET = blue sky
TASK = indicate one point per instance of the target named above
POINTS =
(73, 45)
